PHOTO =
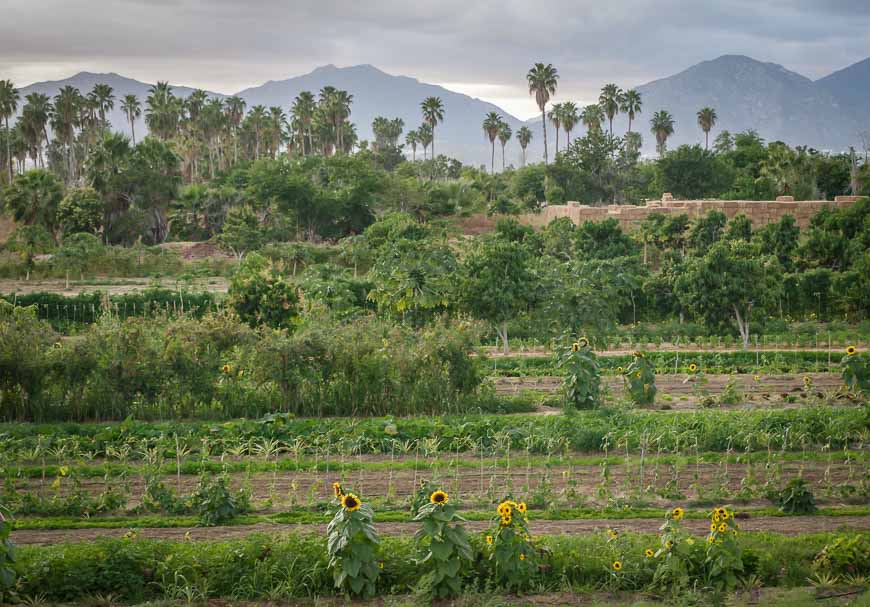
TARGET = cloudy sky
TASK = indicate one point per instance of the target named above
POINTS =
(482, 48)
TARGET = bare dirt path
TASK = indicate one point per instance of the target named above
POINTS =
(111, 286)
(786, 525)
(687, 348)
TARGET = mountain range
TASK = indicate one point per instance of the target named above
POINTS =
(828, 113)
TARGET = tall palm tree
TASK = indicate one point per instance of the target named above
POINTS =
(592, 117)
(504, 135)
(631, 105)
(256, 119)
(570, 118)
(162, 110)
(412, 139)
(35, 117)
(342, 102)
(66, 116)
(706, 120)
(610, 99)
(424, 134)
(433, 113)
(543, 81)
(275, 125)
(555, 116)
(132, 110)
(8, 106)
(524, 137)
(104, 96)
(235, 111)
(303, 111)
(662, 126)
(491, 126)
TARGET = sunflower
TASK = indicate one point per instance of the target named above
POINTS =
(350, 502)
(504, 509)
(716, 517)
(649, 553)
(522, 556)
(710, 539)
(380, 564)
(619, 370)
(489, 540)
(725, 516)
(226, 369)
(807, 380)
(583, 342)
(612, 534)
(638, 354)
(713, 526)
(439, 497)
(693, 367)
(851, 350)
(721, 512)
(336, 490)
(723, 527)
(506, 520)
(756, 378)
(521, 507)
(617, 565)
(637, 375)
(677, 513)
(575, 347)
(669, 544)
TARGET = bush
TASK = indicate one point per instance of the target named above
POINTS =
(261, 295)
(795, 498)
(215, 503)
(844, 556)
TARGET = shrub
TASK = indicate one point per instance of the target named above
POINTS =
(261, 294)
(7, 557)
(215, 503)
(795, 498)
(844, 556)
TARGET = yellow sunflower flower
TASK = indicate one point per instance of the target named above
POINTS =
(710, 539)
(723, 528)
(620, 370)
(575, 347)
(693, 367)
(649, 553)
(851, 350)
(350, 502)
(617, 565)
(521, 507)
(678, 513)
(226, 369)
(715, 517)
(336, 490)
(612, 534)
(583, 342)
(439, 497)
(756, 378)
(489, 540)
(522, 556)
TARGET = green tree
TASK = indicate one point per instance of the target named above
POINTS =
(433, 113)
(241, 232)
(610, 100)
(543, 80)
(132, 109)
(592, 117)
(33, 198)
(81, 210)
(707, 120)
(631, 105)
(261, 295)
(78, 249)
(555, 116)
(497, 282)
(728, 283)
(662, 126)
(524, 137)
(692, 172)
(504, 135)
(9, 97)
(491, 125)
(28, 241)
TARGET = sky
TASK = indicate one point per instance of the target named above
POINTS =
(481, 48)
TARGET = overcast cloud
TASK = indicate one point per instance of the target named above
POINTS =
(480, 48)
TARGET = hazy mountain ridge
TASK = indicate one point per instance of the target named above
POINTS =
(746, 93)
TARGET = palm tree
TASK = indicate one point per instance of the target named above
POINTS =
(504, 135)
(555, 116)
(275, 125)
(303, 111)
(412, 139)
(66, 116)
(631, 105)
(8, 106)
(235, 111)
(491, 126)
(257, 121)
(706, 120)
(570, 117)
(104, 96)
(433, 113)
(34, 119)
(543, 80)
(610, 99)
(342, 101)
(132, 110)
(662, 126)
(592, 117)
(424, 134)
(524, 137)
(162, 111)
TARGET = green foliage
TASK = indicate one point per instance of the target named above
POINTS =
(512, 552)
(214, 502)
(33, 198)
(795, 498)
(352, 546)
(443, 545)
(7, 557)
(81, 210)
(241, 231)
(640, 380)
(260, 294)
(582, 385)
(724, 559)
(845, 555)
(693, 173)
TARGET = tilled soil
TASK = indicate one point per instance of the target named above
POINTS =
(785, 525)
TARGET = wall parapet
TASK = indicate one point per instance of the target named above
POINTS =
(759, 212)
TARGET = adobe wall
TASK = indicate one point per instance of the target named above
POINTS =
(759, 213)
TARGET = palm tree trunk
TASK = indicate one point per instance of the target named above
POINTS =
(629, 123)
(502, 158)
(9, 148)
(544, 125)
(557, 142)
(492, 159)
(706, 140)
(524, 156)
(433, 141)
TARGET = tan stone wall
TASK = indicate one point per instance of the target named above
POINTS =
(759, 213)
